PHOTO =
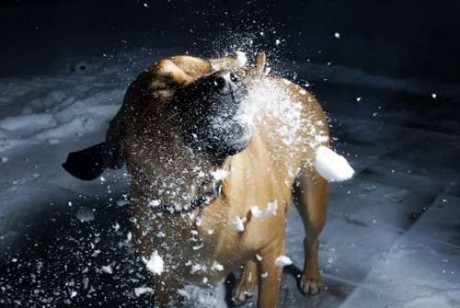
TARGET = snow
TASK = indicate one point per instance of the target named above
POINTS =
(283, 261)
(321, 139)
(241, 58)
(198, 268)
(107, 269)
(269, 211)
(220, 174)
(238, 223)
(155, 264)
(217, 267)
(154, 203)
(332, 166)
(142, 290)
(85, 214)
(280, 106)
(28, 123)
(203, 297)
(122, 202)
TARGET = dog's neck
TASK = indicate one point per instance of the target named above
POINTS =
(177, 177)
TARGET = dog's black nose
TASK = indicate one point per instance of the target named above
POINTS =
(225, 80)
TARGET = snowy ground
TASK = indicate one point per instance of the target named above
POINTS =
(392, 238)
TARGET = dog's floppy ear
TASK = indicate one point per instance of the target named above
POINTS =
(235, 63)
(88, 163)
(256, 72)
(178, 71)
(192, 66)
(230, 63)
(261, 61)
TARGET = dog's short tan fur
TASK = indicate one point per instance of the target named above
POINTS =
(263, 172)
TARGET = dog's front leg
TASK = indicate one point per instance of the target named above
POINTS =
(270, 274)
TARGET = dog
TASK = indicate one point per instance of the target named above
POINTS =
(216, 150)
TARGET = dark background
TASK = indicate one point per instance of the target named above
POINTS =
(393, 113)
(415, 39)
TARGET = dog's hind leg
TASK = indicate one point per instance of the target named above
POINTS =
(244, 288)
(310, 195)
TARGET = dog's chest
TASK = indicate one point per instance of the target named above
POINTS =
(202, 247)
(187, 245)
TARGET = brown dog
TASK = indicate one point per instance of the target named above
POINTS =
(215, 152)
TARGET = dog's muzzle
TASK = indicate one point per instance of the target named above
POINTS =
(208, 111)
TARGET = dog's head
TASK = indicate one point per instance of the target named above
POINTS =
(208, 114)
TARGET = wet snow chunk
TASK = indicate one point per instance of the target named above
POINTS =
(270, 211)
(282, 261)
(220, 174)
(332, 166)
(122, 202)
(216, 266)
(85, 214)
(198, 268)
(155, 264)
(142, 290)
(241, 58)
(28, 123)
(154, 203)
(107, 269)
(238, 224)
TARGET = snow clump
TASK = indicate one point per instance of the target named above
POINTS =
(155, 264)
(283, 261)
(142, 290)
(332, 166)
(270, 211)
(238, 224)
(241, 58)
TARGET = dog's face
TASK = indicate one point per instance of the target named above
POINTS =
(207, 111)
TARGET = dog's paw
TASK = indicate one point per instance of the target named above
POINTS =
(244, 289)
(241, 297)
(309, 286)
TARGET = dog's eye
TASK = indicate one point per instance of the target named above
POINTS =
(234, 77)
(220, 82)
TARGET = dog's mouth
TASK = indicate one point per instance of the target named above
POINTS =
(209, 115)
